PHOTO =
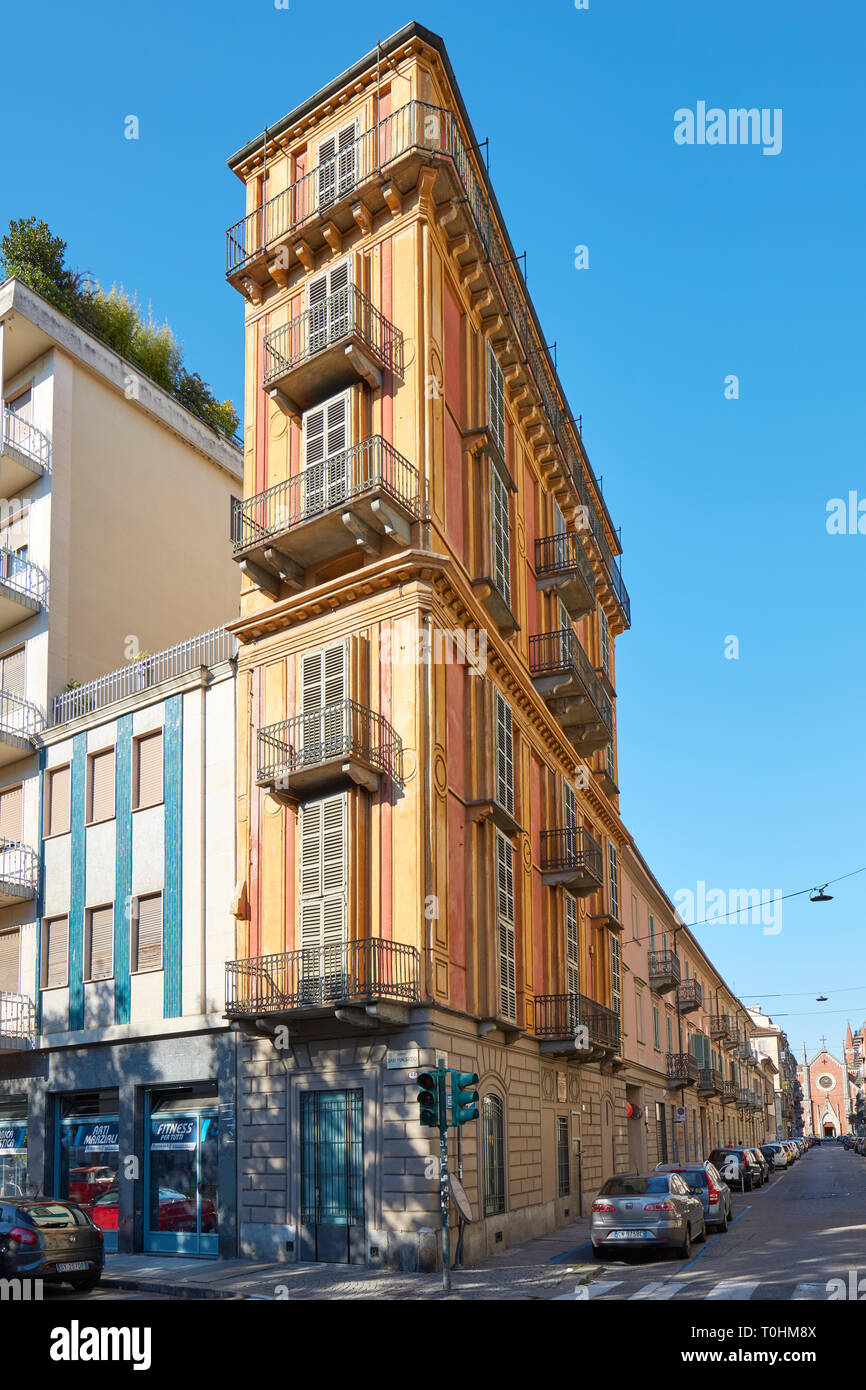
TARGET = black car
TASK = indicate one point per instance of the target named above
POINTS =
(766, 1167)
(738, 1167)
(51, 1239)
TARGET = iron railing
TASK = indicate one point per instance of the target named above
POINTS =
(744, 1050)
(207, 649)
(664, 964)
(743, 1099)
(720, 1026)
(19, 718)
(550, 652)
(347, 972)
(683, 1067)
(345, 313)
(342, 730)
(729, 1092)
(26, 439)
(710, 1080)
(17, 1019)
(560, 1015)
(563, 554)
(20, 574)
(19, 866)
(690, 995)
(372, 464)
(436, 132)
(571, 848)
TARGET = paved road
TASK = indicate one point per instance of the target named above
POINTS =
(788, 1240)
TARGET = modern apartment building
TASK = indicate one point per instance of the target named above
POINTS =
(113, 507)
(117, 1068)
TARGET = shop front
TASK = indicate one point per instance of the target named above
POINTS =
(88, 1138)
(13, 1148)
(181, 1176)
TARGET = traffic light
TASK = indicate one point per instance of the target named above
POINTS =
(428, 1098)
(464, 1097)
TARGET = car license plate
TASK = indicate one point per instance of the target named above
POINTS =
(72, 1268)
(630, 1235)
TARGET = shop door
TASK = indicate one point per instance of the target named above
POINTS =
(13, 1150)
(88, 1159)
(332, 1177)
(182, 1178)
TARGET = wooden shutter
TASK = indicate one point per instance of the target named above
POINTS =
(326, 172)
(102, 785)
(604, 640)
(9, 973)
(148, 770)
(99, 946)
(55, 952)
(11, 804)
(558, 520)
(12, 671)
(328, 305)
(346, 158)
(501, 536)
(323, 910)
(323, 685)
(317, 306)
(336, 443)
(572, 947)
(615, 972)
(569, 808)
(148, 934)
(496, 399)
(613, 878)
(57, 801)
(504, 754)
(505, 926)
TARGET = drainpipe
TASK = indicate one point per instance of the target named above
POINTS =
(202, 791)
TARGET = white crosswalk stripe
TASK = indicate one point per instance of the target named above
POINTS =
(658, 1291)
(730, 1289)
(815, 1292)
(597, 1289)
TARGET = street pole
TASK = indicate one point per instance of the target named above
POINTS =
(443, 1175)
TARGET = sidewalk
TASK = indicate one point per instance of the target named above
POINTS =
(540, 1269)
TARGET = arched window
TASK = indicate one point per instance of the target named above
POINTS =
(493, 1155)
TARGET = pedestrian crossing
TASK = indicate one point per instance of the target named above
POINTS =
(659, 1290)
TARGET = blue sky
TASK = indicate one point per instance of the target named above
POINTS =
(704, 261)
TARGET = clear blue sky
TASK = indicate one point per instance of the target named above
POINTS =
(704, 261)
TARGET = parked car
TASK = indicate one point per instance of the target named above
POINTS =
(775, 1154)
(51, 1239)
(705, 1181)
(737, 1168)
(177, 1212)
(640, 1209)
(763, 1163)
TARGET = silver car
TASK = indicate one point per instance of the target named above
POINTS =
(705, 1181)
(777, 1154)
(646, 1209)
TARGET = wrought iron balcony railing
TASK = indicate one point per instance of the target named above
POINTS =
(19, 869)
(17, 1020)
(729, 1092)
(374, 464)
(710, 1082)
(558, 1016)
(342, 730)
(22, 576)
(743, 1099)
(720, 1026)
(683, 1068)
(690, 995)
(19, 718)
(560, 651)
(572, 849)
(664, 967)
(26, 440)
(562, 557)
(435, 132)
(347, 313)
(354, 972)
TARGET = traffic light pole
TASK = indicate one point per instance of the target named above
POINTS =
(443, 1176)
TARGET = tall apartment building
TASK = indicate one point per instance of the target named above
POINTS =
(788, 1098)
(113, 507)
(428, 831)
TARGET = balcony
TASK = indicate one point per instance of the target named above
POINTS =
(710, 1082)
(358, 497)
(683, 1069)
(757, 1101)
(341, 340)
(17, 1022)
(20, 721)
(365, 983)
(573, 858)
(562, 567)
(338, 743)
(558, 1017)
(744, 1050)
(720, 1028)
(23, 588)
(743, 1101)
(664, 971)
(19, 873)
(561, 673)
(690, 997)
(728, 1093)
(25, 454)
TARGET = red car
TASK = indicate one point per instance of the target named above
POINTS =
(176, 1212)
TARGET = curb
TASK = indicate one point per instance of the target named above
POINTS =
(185, 1291)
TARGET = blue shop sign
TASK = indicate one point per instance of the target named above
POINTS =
(173, 1134)
(96, 1134)
(13, 1139)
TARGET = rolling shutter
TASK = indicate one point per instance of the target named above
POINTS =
(323, 899)
(57, 801)
(507, 975)
(9, 977)
(55, 952)
(148, 770)
(572, 947)
(148, 934)
(12, 671)
(99, 947)
(11, 804)
(102, 786)
(504, 754)
(496, 399)
(501, 536)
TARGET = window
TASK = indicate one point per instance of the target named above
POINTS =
(638, 1003)
(657, 1040)
(12, 671)
(326, 441)
(504, 753)
(661, 1133)
(99, 943)
(147, 933)
(328, 305)
(501, 536)
(615, 973)
(22, 404)
(507, 981)
(562, 1156)
(496, 399)
(651, 931)
(56, 812)
(613, 875)
(493, 1155)
(55, 952)
(11, 806)
(323, 695)
(336, 165)
(9, 968)
(670, 1035)
(604, 640)
(569, 810)
(635, 918)
(323, 897)
(572, 947)
(147, 770)
(100, 786)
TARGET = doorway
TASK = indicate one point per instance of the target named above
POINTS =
(332, 1226)
(181, 1172)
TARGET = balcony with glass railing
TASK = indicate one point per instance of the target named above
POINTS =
(360, 496)
(333, 343)
(25, 453)
(17, 1022)
(574, 1025)
(364, 975)
(19, 872)
(562, 674)
(20, 722)
(23, 588)
(340, 743)
(563, 567)
(573, 858)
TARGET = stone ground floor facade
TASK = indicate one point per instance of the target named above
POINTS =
(656, 1134)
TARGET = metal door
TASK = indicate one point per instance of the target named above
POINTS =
(332, 1177)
